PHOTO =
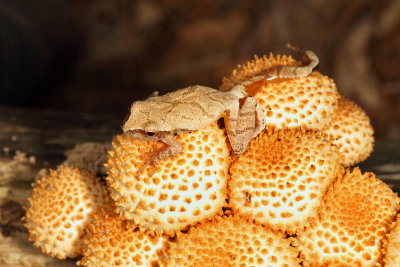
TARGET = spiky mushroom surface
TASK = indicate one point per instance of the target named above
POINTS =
(307, 102)
(281, 178)
(391, 248)
(182, 191)
(111, 242)
(59, 210)
(351, 130)
(255, 68)
(353, 222)
(232, 241)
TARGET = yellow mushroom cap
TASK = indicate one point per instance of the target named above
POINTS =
(391, 248)
(232, 241)
(111, 242)
(351, 130)
(183, 189)
(59, 210)
(254, 68)
(281, 178)
(307, 102)
(353, 222)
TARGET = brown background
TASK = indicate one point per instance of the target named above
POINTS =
(99, 56)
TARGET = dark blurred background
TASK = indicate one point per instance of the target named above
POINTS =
(99, 56)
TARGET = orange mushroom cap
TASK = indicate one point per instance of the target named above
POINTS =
(391, 247)
(353, 222)
(182, 191)
(111, 242)
(307, 102)
(59, 209)
(351, 130)
(255, 68)
(281, 178)
(232, 241)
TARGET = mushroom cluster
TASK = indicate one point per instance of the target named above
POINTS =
(287, 201)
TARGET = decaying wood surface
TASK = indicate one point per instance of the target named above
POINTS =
(33, 140)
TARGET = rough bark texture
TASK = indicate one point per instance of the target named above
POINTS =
(32, 140)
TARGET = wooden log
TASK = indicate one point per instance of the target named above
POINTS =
(47, 134)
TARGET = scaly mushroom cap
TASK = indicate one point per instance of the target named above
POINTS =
(391, 248)
(232, 241)
(353, 222)
(351, 130)
(307, 102)
(281, 178)
(182, 191)
(256, 67)
(111, 242)
(59, 210)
